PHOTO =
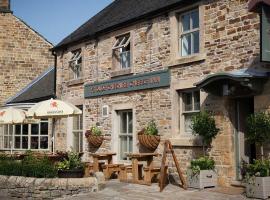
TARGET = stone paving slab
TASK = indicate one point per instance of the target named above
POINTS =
(115, 190)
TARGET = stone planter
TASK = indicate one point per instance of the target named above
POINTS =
(151, 142)
(204, 179)
(258, 187)
(75, 173)
(95, 141)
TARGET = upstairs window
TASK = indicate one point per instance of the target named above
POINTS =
(189, 40)
(75, 64)
(121, 51)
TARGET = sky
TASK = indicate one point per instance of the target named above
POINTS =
(56, 19)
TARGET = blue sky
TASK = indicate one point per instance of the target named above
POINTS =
(55, 19)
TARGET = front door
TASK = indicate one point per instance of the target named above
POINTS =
(125, 136)
(245, 152)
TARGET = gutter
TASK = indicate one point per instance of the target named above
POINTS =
(55, 72)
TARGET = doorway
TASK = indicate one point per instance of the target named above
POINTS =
(245, 151)
(125, 134)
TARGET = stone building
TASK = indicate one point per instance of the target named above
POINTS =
(24, 53)
(26, 76)
(137, 61)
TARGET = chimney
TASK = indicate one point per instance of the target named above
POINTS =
(5, 6)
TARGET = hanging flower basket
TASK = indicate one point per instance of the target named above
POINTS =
(94, 140)
(151, 142)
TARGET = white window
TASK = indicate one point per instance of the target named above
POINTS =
(78, 132)
(121, 50)
(26, 136)
(75, 64)
(190, 105)
(189, 40)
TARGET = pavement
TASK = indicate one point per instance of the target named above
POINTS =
(116, 190)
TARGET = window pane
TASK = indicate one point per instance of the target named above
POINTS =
(195, 19)
(34, 142)
(25, 129)
(130, 144)
(185, 22)
(44, 142)
(81, 122)
(81, 141)
(76, 123)
(186, 44)
(125, 59)
(76, 141)
(196, 42)
(34, 129)
(6, 142)
(24, 142)
(187, 101)
(17, 144)
(17, 129)
(188, 118)
(44, 128)
(123, 122)
(197, 100)
(123, 147)
(10, 131)
(130, 122)
(5, 129)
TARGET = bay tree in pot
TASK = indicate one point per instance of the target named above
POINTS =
(201, 173)
(94, 136)
(149, 137)
(257, 177)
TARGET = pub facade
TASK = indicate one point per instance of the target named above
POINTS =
(137, 61)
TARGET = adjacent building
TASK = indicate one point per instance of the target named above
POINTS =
(165, 60)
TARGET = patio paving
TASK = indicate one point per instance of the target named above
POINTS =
(116, 190)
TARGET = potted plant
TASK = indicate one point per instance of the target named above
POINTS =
(256, 175)
(94, 136)
(72, 167)
(201, 173)
(257, 179)
(149, 137)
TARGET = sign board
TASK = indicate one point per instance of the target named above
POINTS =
(265, 33)
(129, 83)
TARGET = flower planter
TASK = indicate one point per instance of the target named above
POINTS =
(95, 141)
(258, 187)
(74, 173)
(204, 179)
(151, 142)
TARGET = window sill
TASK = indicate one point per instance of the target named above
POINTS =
(188, 141)
(121, 72)
(187, 59)
(73, 82)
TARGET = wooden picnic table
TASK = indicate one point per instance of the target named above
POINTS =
(136, 158)
(101, 156)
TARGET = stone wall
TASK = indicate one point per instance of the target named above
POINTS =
(24, 55)
(46, 188)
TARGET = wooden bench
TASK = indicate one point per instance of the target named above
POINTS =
(89, 168)
(125, 169)
(150, 174)
(109, 169)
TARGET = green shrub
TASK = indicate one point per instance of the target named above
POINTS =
(72, 162)
(151, 128)
(95, 131)
(260, 168)
(202, 163)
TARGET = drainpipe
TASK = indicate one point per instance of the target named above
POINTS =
(54, 96)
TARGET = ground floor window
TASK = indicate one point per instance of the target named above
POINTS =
(125, 134)
(25, 136)
(78, 132)
(189, 105)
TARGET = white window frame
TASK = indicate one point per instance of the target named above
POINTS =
(75, 65)
(188, 32)
(183, 112)
(78, 131)
(121, 44)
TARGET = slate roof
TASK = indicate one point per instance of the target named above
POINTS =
(42, 88)
(118, 14)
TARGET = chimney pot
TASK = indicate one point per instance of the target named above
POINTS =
(5, 6)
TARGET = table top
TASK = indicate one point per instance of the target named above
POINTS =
(142, 155)
(102, 154)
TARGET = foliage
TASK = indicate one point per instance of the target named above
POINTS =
(151, 128)
(94, 130)
(30, 166)
(72, 162)
(258, 128)
(202, 163)
(260, 168)
(203, 124)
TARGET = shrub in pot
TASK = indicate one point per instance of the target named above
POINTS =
(201, 173)
(72, 167)
(149, 137)
(257, 179)
(94, 136)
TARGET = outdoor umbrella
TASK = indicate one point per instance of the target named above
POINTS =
(53, 108)
(12, 116)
